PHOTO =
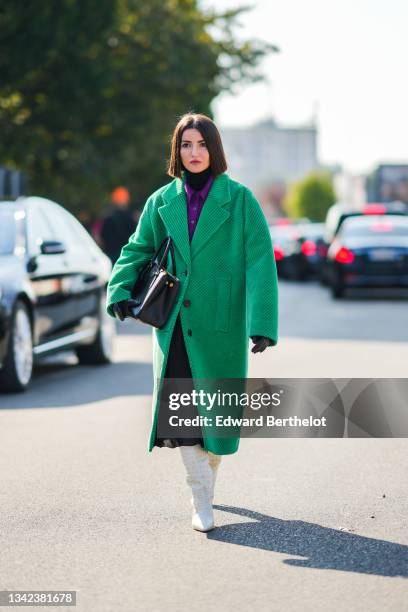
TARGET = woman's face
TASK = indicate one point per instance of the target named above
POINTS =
(193, 151)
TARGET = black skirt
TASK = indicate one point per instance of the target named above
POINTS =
(178, 367)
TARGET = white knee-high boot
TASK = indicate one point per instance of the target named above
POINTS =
(200, 479)
(215, 461)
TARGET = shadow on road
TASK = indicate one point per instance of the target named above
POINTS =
(59, 381)
(62, 385)
(322, 547)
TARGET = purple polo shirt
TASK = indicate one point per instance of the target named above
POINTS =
(195, 202)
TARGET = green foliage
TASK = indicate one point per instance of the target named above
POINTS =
(310, 197)
(92, 89)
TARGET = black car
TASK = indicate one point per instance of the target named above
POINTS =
(298, 248)
(53, 280)
(369, 251)
(340, 212)
(285, 242)
(313, 249)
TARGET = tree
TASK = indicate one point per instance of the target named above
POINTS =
(91, 90)
(310, 197)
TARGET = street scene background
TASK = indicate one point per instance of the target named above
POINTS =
(85, 118)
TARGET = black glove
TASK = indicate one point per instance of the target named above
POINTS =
(122, 309)
(260, 343)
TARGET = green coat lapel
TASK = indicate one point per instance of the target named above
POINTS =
(213, 215)
(174, 216)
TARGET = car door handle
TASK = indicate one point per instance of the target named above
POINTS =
(90, 278)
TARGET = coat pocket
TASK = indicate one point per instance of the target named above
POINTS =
(223, 304)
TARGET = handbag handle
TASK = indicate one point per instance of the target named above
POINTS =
(169, 247)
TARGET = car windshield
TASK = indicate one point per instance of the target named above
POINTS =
(7, 231)
(374, 226)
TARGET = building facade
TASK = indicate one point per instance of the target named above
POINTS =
(266, 153)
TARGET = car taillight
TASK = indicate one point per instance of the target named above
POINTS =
(308, 248)
(374, 209)
(344, 256)
(278, 253)
(283, 221)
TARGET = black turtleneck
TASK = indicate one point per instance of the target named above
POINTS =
(197, 180)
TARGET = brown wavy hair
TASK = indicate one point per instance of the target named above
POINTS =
(211, 135)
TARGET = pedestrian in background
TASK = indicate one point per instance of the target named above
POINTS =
(228, 290)
(117, 225)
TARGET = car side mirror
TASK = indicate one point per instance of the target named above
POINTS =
(52, 247)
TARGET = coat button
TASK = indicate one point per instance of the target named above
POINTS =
(189, 332)
(187, 303)
(185, 272)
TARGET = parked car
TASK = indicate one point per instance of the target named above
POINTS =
(369, 251)
(285, 242)
(313, 249)
(339, 212)
(298, 248)
(53, 280)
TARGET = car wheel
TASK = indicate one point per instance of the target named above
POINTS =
(337, 291)
(300, 276)
(101, 350)
(18, 366)
(322, 279)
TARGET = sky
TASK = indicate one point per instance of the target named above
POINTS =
(342, 61)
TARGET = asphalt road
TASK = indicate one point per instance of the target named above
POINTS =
(302, 524)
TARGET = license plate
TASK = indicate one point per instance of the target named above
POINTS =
(383, 255)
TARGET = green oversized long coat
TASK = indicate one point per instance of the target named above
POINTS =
(228, 274)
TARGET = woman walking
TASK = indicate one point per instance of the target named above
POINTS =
(228, 294)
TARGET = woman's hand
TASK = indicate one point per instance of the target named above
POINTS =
(260, 343)
(123, 309)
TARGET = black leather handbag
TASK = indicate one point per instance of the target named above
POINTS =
(156, 289)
